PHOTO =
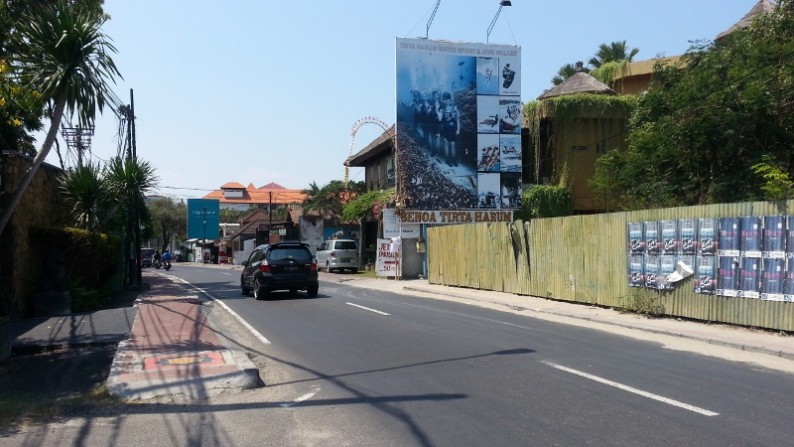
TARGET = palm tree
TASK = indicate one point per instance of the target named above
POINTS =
(614, 52)
(566, 71)
(84, 190)
(60, 51)
(128, 181)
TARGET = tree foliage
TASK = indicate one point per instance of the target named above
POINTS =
(330, 200)
(705, 122)
(368, 205)
(614, 52)
(60, 51)
(565, 72)
(169, 219)
(608, 60)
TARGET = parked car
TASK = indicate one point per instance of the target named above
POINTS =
(147, 257)
(281, 266)
(338, 254)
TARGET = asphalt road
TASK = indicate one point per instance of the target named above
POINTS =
(361, 367)
(390, 369)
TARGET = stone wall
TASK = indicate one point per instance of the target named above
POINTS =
(41, 205)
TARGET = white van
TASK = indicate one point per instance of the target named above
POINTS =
(338, 254)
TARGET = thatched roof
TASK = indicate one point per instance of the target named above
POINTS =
(580, 82)
(762, 7)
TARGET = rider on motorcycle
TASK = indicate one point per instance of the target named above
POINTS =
(166, 259)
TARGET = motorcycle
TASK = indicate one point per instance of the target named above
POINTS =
(167, 265)
(157, 264)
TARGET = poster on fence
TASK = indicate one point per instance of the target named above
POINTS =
(707, 234)
(728, 237)
(750, 240)
(653, 241)
(728, 276)
(636, 271)
(687, 236)
(636, 238)
(706, 281)
(772, 279)
(667, 266)
(750, 279)
(652, 277)
(788, 282)
(774, 240)
(670, 238)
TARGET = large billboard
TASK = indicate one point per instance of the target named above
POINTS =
(203, 218)
(459, 125)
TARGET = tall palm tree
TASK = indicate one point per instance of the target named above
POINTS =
(614, 52)
(60, 51)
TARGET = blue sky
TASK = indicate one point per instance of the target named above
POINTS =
(268, 91)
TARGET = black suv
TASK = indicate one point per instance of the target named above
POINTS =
(280, 266)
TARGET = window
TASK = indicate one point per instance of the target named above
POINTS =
(345, 245)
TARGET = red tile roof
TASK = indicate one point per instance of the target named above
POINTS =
(270, 193)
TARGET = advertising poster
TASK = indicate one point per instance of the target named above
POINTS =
(687, 236)
(458, 117)
(707, 236)
(653, 238)
(774, 240)
(705, 270)
(387, 262)
(751, 237)
(666, 268)
(728, 276)
(636, 271)
(750, 278)
(636, 238)
(788, 282)
(652, 277)
(510, 156)
(670, 238)
(728, 240)
(511, 190)
(772, 279)
(789, 237)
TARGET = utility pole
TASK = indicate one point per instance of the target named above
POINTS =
(270, 218)
(132, 155)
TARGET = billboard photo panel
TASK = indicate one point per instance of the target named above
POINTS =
(449, 96)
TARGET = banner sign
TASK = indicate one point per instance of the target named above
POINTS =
(387, 262)
(203, 218)
(454, 217)
(394, 227)
(458, 125)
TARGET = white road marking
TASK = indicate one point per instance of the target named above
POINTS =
(239, 319)
(620, 386)
(309, 395)
(367, 308)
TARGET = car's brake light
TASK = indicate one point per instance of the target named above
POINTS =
(313, 266)
(264, 267)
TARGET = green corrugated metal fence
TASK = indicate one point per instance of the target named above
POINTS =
(584, 259)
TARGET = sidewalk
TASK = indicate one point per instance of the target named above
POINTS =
(172, 350)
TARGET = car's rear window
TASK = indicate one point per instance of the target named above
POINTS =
(345, 245)
(298, 254)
